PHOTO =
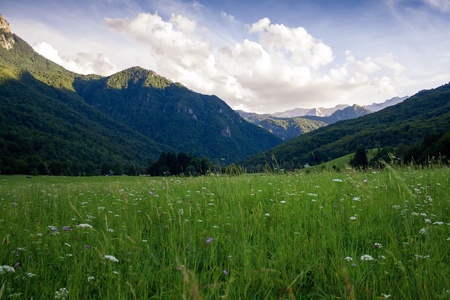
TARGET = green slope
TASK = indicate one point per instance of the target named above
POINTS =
(425, 114)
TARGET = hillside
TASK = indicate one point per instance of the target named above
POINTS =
(424, 116)
(53, 121)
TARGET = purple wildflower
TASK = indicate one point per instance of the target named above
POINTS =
(87, 247)
(209, 240)
(225, 272)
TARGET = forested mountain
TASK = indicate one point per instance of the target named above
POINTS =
(420, 121)
(48, 127)
(174, 115)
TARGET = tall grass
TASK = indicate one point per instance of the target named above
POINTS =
(350, 235)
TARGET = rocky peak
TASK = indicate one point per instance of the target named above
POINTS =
(6, 39)
(5, 25)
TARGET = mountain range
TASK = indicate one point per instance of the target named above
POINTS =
(53, 121)
(292, 123)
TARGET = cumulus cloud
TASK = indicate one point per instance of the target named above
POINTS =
(274, 64)
(81, 63)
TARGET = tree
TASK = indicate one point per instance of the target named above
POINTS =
(360, 158)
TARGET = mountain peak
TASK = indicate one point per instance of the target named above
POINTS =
(6, 39)
(137, 76)
(4, 25)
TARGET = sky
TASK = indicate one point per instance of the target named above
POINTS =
(261, 56)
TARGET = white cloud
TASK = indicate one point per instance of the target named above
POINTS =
(82, 63)
(442, 5)
(297, 43)
(276, 67)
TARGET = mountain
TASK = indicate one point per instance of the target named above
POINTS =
(318, 112)
(46, 128)
(173, 115)
(415, 121)
(288, 128)
(349, 112)
(326, 112)
(374, 107)
(53, 121)
(284, 128)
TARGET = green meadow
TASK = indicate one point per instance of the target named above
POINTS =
(316, 235)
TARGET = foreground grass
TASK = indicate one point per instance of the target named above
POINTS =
(294, 236)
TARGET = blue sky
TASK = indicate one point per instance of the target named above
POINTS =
(261, 56)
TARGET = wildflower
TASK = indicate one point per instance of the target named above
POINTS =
(337, 180)
(348, 258)
(267, 215)
(282, 202)
(377, 246)
(66, 228)
(90, 278)
(110, 230)
(438, 223)
(423, 231)
(111, 258)
(62, 293)
(386, 296)
(84, 225)
(356, 199)
(29, 274)
(87, 247)
(353, 218)
(209, 240)
(4, 269)
(366, 257)
(353, 264)
(225, 272)
(67, 244)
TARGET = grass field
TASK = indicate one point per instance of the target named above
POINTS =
(324, 235)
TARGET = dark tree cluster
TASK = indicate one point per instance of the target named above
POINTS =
(170, 163)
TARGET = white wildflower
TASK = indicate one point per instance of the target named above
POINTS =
(438, 223)
(4, 269)
(337, 180)
(62, 293)
(348, 258)
(366, 257)
(423, 231)
(353, 218)
(386, 296)
(356, 199)
(84, 225)
(111, 258)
